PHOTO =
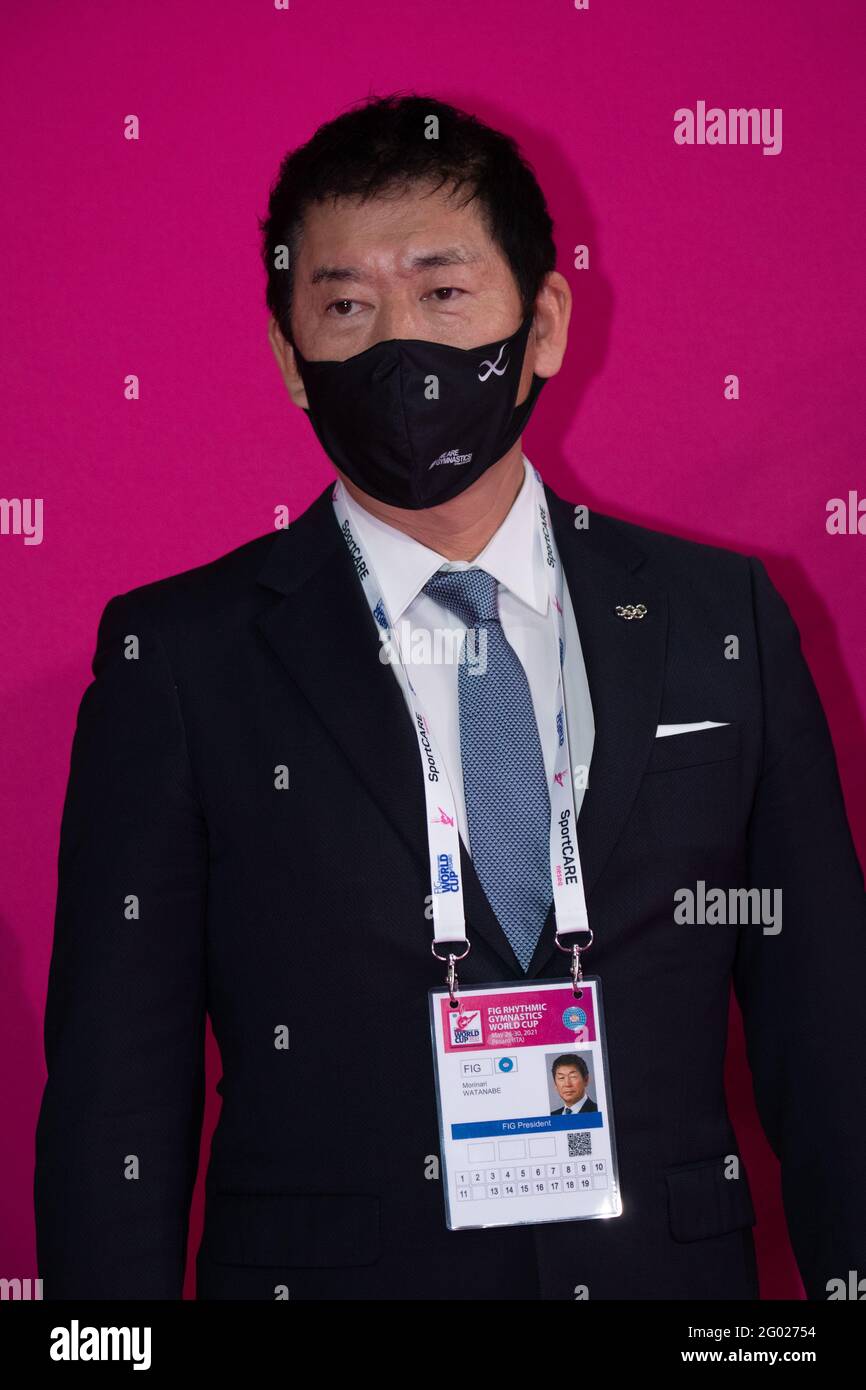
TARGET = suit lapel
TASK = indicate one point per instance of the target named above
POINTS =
(625, 669)
(323, 634)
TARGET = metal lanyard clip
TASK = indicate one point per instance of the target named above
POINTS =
(451, 972)
(575, 952)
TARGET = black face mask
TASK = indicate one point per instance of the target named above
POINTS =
(416, 423)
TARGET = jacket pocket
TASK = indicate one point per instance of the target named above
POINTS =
(693, 749)
(702, 1202)
(314, 1230)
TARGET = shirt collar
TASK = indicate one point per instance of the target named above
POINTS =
(403, 565)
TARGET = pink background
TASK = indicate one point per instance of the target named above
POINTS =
(142, 257)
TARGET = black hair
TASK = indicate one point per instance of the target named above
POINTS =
(383, 146)
(570, 1059)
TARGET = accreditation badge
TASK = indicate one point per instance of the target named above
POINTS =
(524, 1103)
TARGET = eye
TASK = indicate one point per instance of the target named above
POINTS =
(449, 291)
(338, 305)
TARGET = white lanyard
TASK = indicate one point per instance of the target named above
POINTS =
(449, 920)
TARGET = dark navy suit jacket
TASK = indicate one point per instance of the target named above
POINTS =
(589, 1104)
(192, 882)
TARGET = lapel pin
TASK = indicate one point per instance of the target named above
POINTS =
(631, 610)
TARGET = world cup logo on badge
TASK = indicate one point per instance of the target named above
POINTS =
(465, 1026)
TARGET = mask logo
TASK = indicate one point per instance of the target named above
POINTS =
(451, 456)
(492, 366)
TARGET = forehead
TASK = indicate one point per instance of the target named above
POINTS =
(567, 1066)
(391, 233)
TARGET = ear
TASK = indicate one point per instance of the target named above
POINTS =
(285, 359)
(549, 335)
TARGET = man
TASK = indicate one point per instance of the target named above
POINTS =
(571, 1078)
(247, 829)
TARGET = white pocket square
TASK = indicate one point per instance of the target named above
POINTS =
(664, 730)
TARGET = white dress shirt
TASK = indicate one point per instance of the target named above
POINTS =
(573, 1109)
(513, 555)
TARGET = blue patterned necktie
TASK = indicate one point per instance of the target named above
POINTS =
(504, 781)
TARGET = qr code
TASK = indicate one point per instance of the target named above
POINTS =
(580, 1144)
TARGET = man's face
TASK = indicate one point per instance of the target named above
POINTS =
(570, 1084)
(413, 265)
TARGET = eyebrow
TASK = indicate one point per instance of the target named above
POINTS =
(451, 255)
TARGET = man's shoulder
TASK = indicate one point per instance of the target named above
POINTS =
(670, 551)
(696, 574)
(228, 584)
(203, 586)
